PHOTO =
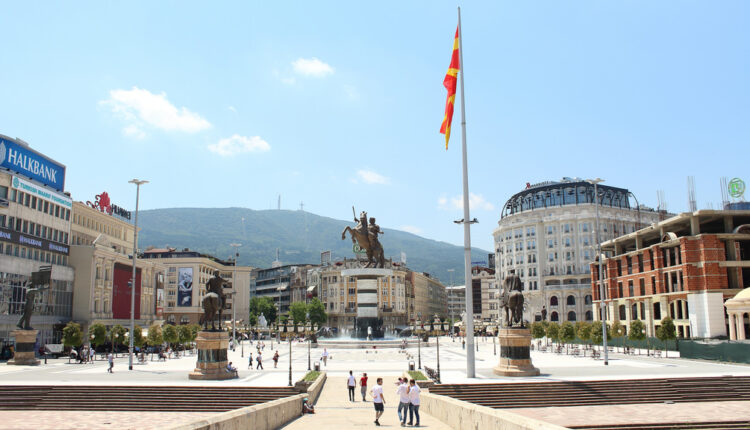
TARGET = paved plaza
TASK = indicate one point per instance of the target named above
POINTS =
(333, 407)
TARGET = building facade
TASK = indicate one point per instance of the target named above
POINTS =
(34, 232)
(546, 235)
(101, 254)
(456, 300)
(684, 267)
(183, 297)
(485, 294)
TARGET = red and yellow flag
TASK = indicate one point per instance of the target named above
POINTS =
(449, 82)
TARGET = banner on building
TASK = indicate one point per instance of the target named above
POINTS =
(185, 286)
(26, 161)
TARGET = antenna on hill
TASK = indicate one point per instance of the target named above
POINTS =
(244, 230)
(302, 206)
(278, 206)
(692, 205)
(277, 262)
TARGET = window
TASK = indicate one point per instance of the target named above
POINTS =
(553, 316)
(585, 227)
(551, 256)
(553, 301)
(589, 316)
(642, 287)
(566, 228)
(587, 299)
(631, 291)
(550, 229)
(571, 316)
(567, 241)
(571, 301)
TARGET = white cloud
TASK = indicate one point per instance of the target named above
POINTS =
(370, 177)
(239, 145)
(312, 67)
(139, 107)
(476, 202)
(232, 108)
(411, 229)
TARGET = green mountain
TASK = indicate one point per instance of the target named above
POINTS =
(300, 237)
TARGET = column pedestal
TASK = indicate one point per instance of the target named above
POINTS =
(515, 356)
(24, 351)
(212, 356)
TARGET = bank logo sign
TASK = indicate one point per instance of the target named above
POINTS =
(22, 160)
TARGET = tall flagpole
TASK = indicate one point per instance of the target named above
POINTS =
(466, 221)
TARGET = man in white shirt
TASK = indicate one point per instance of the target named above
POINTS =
(350, 384)
(403, 400)
(378, 400)
(324, 356)
(413, 401)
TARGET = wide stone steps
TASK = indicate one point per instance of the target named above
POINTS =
(709, 425)
(586, 393)
(136, 398)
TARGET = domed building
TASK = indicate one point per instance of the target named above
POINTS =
(547, 234)
(738, 310)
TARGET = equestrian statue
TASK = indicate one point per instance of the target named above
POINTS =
(511, 300)
(365, 234)
(213, 302)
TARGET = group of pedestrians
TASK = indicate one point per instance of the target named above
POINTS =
(407, 391)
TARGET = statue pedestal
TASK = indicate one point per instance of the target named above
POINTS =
(24, 351)
(212, 356)
(515, 357)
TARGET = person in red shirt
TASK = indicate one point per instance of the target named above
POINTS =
(363, 386)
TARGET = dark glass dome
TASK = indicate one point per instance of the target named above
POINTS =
(573, 192)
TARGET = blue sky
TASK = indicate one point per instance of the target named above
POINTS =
(337, 104)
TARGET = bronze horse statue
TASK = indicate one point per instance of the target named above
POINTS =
(213, 302)
(367, 237)
(511, 300)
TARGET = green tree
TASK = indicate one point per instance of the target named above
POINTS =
(553, 331)
(318, 315)
(596, 333)
(537, 330)
(117, 335)
(170, 334)
(253, 320)
(618, 330)
(263, 305)
(298, 311)
(97, 334)
(72, 335)
(637, 331)
(567, 332)
(184, 334)
(666, 331)
(583, 331)
(194, 329)
(154, 335)
(138, 339)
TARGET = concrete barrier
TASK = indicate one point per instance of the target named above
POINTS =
(265, 416)
(459, 414)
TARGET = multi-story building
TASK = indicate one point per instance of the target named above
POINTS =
(684, 267)
(276, 283)
(456, 300)
(302, 282)
(402, 296)
(183, 297)
(101, 253)
(485, 294)
(546, 234)
(34, 232)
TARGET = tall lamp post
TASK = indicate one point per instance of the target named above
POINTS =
(437, 345)
(138, 183)
(309, 341)
(419, 341)
(290, 360)
(602, 306)
(235, 287)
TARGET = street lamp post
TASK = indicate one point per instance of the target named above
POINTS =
(138, 183)
(290, 361)
(602, 306)
(309, 341)
(437, 345)
(235, 287)
(419, 341)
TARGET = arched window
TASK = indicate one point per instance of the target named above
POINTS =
(587, 299)
(571, 316)
(589, 316)
(571, 301)
(553, 301)
(553, 316)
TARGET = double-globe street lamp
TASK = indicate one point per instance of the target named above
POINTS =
(602, 306)
(138, 183)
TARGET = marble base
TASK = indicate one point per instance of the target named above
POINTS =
(24, 354)
(212, 356)
(515, 355)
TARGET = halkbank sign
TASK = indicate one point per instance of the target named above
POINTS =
(23, 160)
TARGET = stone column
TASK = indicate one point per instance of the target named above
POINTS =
(515, 357)
(24, 349)
(212, 356)
(732, 327)
(741, 326)
(649, 317)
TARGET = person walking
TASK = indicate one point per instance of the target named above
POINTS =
(363, 386)
(259, 360)
(250, 360)
(325, 356)
(92, 353)
(402, 391)
(378, 400)
(350, 384)
(413, 402)
(276, 359)
(111, 360)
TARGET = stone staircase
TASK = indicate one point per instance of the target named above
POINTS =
(672, 426)
(136, 398)
(589, 393)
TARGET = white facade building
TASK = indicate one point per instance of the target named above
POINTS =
(546, 234)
